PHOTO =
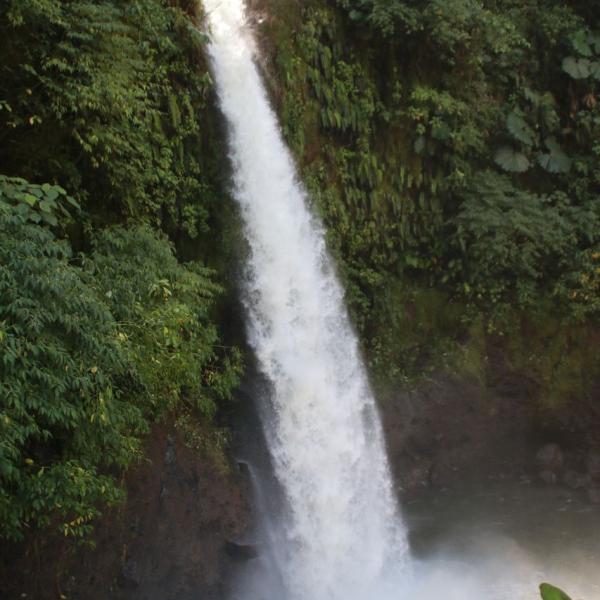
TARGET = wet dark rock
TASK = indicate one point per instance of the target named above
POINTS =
(548, 477)
(129, 577)
(594, 495)
(164, 491)
(440, 475)
(593, 464)
(550, 458)
(419, 476)
(243, 468)
(241, 552)
(170, 452)
(576, 480)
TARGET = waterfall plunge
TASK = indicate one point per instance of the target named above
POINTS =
(342, 535)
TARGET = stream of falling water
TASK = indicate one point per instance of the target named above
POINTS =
(342, 537)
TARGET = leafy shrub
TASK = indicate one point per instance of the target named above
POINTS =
(93, 351)
(549, 592)
(162, 309)
(109, 95)
(47, 204)
(63, 417)
(513, 241)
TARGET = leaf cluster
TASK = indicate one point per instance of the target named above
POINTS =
(94, 349)
(106, 99)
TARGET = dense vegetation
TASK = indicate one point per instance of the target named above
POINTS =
(452, 149)
(451, 146)
(107, 315)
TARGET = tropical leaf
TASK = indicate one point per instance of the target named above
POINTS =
(577, 68)
(594, 40)
(511, 160)
(519, 129)
(595, 70)
(555, 161)
(581, 43)
(549, 592)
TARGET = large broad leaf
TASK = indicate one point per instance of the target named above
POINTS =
(549, 592)
(595, 70)
(594, 40)
(511, 160)
(555, 161)
(519, 129)
(581, 43)
(577, 68)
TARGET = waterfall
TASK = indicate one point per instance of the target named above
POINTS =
(342, 533)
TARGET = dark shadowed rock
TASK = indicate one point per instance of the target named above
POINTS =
(593, 464)
(170, 452)
(548, 477)
(576, 480)
(243, 468)
(550, 458)
(129, 577)
(239, 551)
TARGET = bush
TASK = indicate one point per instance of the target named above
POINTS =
(94, 349)
(63, 417)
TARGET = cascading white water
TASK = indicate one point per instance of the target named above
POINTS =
(342, 531)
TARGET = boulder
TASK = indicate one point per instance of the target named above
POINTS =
(593, 464)
(240, 551)
(548, 477)
(550, 458)
(576, 480)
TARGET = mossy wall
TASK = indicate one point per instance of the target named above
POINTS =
(444, 257)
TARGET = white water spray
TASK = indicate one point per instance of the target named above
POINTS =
(342, 533)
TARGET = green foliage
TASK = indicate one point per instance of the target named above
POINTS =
(511, 160)
(36, 203)
(549, 592)
(586, 64)
(93, 351)
(162, 309)
(447, 149)
(108, 100)
(386, 16)
(63, 417)
(513, 241)
(110, 95)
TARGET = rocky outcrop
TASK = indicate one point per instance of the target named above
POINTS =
(168, 542)
(448, 430)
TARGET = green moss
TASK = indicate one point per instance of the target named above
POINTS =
(394, 150)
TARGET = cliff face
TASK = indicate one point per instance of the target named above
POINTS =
(167, 542)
